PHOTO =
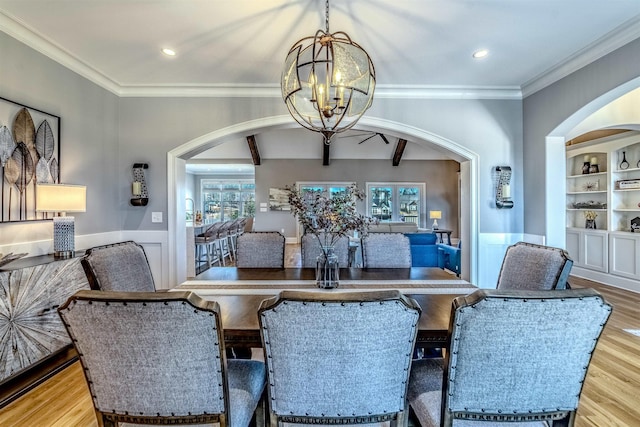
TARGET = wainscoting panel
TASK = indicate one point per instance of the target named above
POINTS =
(491, 250)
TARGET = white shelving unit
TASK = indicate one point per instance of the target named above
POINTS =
(611, 247)
(625, 202)
(587, 191)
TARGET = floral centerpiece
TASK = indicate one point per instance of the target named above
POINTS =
(329, 217)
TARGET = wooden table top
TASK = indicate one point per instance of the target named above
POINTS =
(239, 291)
(308, 274)
(241, 327)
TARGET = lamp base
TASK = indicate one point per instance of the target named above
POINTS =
(63, 254)
(63, 236)
(435, 224)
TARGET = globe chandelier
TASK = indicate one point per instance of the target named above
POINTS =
(328, 81)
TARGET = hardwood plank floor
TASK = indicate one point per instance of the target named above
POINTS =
(609, 397)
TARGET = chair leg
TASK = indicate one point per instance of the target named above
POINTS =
(222, 254)
(261, 410)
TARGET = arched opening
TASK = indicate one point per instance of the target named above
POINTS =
(601, 113)
(176, 160)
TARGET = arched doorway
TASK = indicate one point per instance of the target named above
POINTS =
(598, 114)
(177, 157)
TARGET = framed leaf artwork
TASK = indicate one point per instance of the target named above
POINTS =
(29, 154)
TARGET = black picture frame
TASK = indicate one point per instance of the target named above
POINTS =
(39, 133)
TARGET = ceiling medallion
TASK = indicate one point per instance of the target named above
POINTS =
(328, 81)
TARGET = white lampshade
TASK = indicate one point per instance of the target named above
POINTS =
(61, 198)
(435, 216)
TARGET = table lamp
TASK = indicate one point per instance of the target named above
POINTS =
(435, 216)
(59, 199)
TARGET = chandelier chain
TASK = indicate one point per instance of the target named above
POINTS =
(326, 16)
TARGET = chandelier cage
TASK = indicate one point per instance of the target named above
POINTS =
(328, 82)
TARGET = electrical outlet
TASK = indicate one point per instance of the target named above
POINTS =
(156, 216)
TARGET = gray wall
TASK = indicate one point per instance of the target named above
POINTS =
(103, 135)
(440, 178)
(550, 107)
(149, 128)
(89, 138)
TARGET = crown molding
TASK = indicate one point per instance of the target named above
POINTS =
(273, 91)
(29, 36)
(606, 44)
(23, 33)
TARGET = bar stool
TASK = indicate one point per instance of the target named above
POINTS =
(207, 242)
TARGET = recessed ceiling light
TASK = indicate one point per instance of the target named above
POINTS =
(168, 52)
(480, 53)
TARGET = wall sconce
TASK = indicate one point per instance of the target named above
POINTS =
(503, 187)
(139, 186)
(62, 198)
(435, 216)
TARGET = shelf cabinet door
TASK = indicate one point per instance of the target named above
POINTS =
(596, 251)
(588, 248)
(625, 255)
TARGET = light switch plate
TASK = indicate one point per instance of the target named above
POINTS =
(156, 216)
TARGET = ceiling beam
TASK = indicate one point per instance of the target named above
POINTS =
(402, 143)
(253, 147)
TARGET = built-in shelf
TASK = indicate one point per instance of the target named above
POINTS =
(587, 192)
(587, 175)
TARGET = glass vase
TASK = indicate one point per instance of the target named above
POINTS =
(327, 269)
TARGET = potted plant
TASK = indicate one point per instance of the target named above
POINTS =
(328, 218)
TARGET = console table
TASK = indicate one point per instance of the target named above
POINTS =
(35, 344)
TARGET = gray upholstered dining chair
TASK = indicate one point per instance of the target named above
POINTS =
(338, 358)
(158, 358)
(119, 266)
(531, 266)
(386, 250)
(260, 249)
(516, 358)
(310, 249)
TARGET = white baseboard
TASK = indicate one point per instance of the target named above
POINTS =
(607, 279)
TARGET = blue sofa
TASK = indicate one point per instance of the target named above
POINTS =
(424, 250)
(449, 257)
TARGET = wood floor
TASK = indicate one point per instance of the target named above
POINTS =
(609, 398)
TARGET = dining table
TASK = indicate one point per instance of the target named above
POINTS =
(240, 291)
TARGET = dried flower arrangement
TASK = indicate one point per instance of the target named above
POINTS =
(590, 215)
(329, 217)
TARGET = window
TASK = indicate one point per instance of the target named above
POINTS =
(311, 188)
(223, 200)
(396, 202)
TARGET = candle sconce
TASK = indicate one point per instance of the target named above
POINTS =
(503, 187)
(139, 186)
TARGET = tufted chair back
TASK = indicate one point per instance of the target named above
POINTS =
(118, 267)
(386, 250)
(515, 356)
(260, 249)
(531, 266)
(158, 358)
(337, 358)
(310, 249)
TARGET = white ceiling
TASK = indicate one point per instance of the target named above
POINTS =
(232, 46)
(237, 48)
